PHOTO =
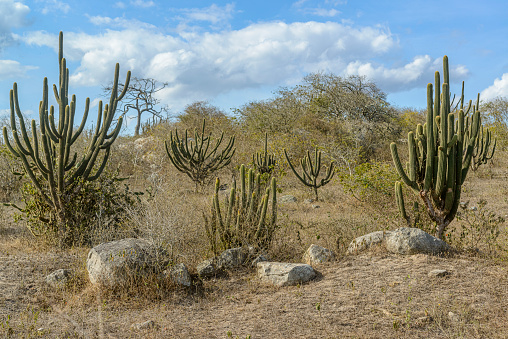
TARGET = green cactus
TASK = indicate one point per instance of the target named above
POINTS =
(264, 163)
(196, 158)
(440, 153)
(244, 221)
(56, 173)
(482, 151)
(311, 171)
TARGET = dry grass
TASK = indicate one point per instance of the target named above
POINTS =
(371, 295)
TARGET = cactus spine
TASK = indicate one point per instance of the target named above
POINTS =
(196, 158)
(243, 218)
(56, 173)
(440, 153)
(264, 162)
(311, 171)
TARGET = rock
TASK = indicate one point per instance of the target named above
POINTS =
(58, 278)
(453, 317)
(143, 326)
(117, 262)
(438, 273)
(179, 274)
(317, 255)
(207, 268)
(284, 274)
(232, 258)
(286, 199)
(308, 201)
(259, 258)
(365, 241)
(315, 206)
(407, 240)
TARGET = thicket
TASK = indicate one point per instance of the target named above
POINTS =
(347, 119)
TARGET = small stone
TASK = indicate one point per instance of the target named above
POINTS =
(287, 198)
(453, 316)
(207, 268)
(317, 255)
(284, 274)
(58, 278)
(366, 241)
(315, 206)
(438, 273)
(232, 258)
(149, 324)
(308, 201)
(179, 274)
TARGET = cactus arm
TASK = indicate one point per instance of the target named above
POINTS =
(274, 202)
(400, 169)
(294, 171)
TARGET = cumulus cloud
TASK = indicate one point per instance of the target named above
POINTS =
(12, 15)
(498, 89)
(416, 73)
(203, 65)
(209, 64)
(13, 69)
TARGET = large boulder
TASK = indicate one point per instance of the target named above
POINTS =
(366, 241)
(284, 274)
(179, 274)
(404, 240)
(118, 262)
(317, 255)
(407, 240)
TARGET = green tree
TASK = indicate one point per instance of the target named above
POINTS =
(495, 117)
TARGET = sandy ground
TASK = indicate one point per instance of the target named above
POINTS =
(372, 295)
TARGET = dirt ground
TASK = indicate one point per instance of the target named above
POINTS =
(371, 295)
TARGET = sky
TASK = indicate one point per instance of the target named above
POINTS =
(233, 52)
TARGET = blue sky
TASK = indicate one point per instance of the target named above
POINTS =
(230, 53)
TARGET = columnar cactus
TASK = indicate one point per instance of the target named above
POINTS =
(46, 154)
(246, 220)
(264, 163)
(196, 158)
(482, 151)
(311, 171)
(440, 153)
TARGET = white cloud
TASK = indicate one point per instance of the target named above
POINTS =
(417, 72)
(118, 22)
(498, 89)
(119, 4)
(13, 69)
(12, 15)
(213, 14)
(55, 6)
(202, 65)
(141, 3)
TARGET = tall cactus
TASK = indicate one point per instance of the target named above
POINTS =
(55, 171)
(196, 158)
(264, 162)
(311, 171)
(440, 153)
(244, 217)
(482, 151)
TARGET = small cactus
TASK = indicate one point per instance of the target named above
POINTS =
(264, 162)
(311, 171)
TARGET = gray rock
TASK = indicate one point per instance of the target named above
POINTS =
(58, 278)
(179, 274)
(308, 201)
(149, 324)
(453, 317)
(286, 199)
(438, 273)
(118, 262)
(407, 240)
(317, 255)
(315, 206)
(365, 241)
(284, 274)
(232, 258)
(207, 268)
